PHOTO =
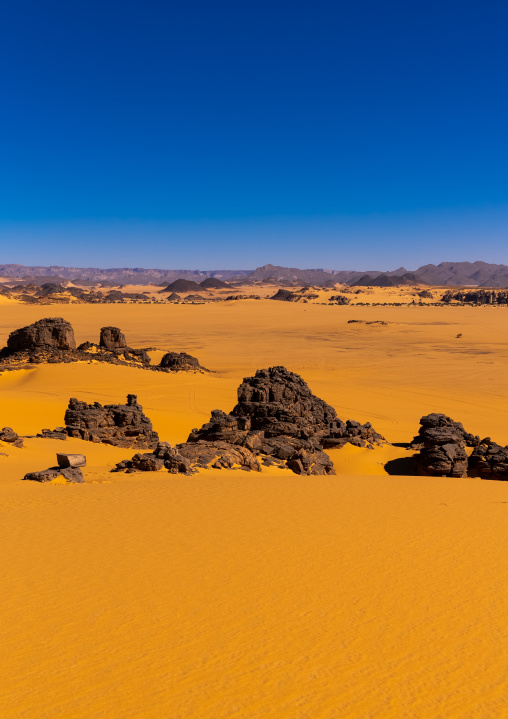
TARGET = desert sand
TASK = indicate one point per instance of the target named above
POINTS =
(245, 595)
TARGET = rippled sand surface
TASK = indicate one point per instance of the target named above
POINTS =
(239, 595)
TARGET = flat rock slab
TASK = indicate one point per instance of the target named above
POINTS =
(71, 460)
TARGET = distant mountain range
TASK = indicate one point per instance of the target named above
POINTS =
(453, 274)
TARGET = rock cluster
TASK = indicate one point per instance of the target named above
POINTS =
(122, 425)
(442, 451)
(477, 297)
(277, 421)
(52, 340)
(164, 456)
(278, 416)
(9, 435)
(489, 460)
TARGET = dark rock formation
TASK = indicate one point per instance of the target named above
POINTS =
(442, 445)
(52, 341)
(489, 461)
(477, 297)
(49, 333)
(71, 474)
(436, 421)
(286, 296)
(278, 416)
(213, 283)
(57, 433)
(277, 421)
(178, 361)
(163, 456)
(174, 297)
(122, 425)
(219, 455)
(339, 299)
(9, 435)
(112, 338)
(194, 298)
(182, 285)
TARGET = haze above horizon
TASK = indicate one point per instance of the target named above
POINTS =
(230, 135)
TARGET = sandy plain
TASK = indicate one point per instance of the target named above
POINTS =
(245, 596)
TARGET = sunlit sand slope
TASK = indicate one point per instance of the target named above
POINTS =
(259, 596)
(234, 595)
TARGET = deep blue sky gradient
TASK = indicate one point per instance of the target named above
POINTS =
(228, 134)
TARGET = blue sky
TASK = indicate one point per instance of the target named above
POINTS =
(227, 134)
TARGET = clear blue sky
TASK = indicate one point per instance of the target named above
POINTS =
(231, 134)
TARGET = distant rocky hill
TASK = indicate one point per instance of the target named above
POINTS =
(115, 276)
(389, 280)
(458, 274)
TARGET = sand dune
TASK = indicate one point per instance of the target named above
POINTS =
(233, 594)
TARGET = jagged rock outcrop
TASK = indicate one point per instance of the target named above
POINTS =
(52, 341)
(50, 333)
(122, 425)
(489, 461)
(278, 416)
(179, 361)
(112, 338)
(277, 421)
(442, 445)
(163, 456)
(11, 437)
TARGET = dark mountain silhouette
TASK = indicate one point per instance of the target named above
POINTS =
(388, 280)
(474, 274)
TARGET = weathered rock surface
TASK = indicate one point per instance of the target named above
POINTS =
(112, 338)
(11, 437)
(122, 425)
(49, 333)
(179, 361)
(163, 456)
(489, 461)
(71, 460)
(442, 445)
(71, 474)
(219, 455)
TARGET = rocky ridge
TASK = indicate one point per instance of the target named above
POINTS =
(51, 340)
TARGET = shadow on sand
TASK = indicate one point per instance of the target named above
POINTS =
(402, 465)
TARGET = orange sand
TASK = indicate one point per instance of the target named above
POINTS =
(245, 596)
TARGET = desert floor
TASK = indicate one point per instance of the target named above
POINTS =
(259, 596)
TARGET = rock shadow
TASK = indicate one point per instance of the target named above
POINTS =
(403, 466)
